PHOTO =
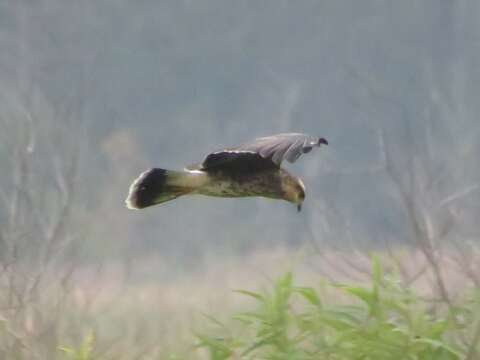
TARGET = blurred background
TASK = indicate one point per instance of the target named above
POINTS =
(94, 92)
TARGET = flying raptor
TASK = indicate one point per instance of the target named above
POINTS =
(251, 169)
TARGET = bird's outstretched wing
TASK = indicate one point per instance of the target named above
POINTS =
(261, 153)
(283, 146)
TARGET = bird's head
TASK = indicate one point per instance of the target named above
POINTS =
(294, 191)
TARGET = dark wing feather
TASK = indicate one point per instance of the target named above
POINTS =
(261, 153)
(236, 162)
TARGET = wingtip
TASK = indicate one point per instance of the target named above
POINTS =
(322, 141)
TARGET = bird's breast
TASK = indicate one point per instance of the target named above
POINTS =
(266, 183)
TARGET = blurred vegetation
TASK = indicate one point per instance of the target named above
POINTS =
(84, 352)
(378, 320)
(381, 320)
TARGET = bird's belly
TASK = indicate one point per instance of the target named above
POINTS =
(231, 188)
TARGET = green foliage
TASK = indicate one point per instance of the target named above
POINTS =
(84, 352)
(383, 321)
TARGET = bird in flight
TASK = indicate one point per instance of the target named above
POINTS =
(251, 169)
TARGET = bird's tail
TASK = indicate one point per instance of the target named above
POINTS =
(156, 186)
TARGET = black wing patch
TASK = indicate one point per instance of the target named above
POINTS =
(236, 162)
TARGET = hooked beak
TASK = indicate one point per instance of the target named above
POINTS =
(299, 207)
